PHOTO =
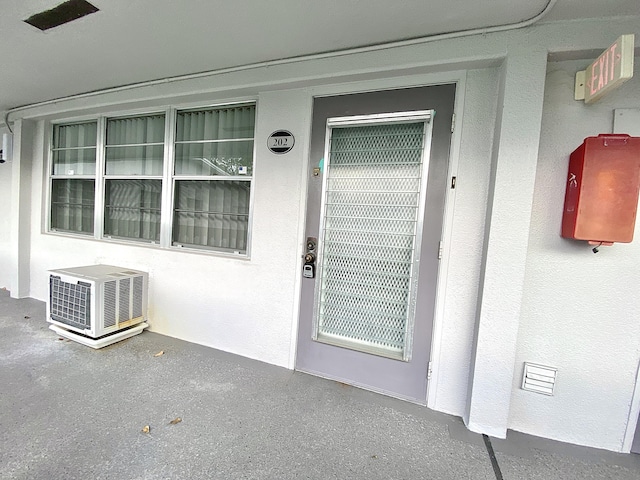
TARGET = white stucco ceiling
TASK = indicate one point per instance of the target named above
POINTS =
(130, 41)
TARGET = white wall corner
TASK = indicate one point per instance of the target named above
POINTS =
(20, 211)
(488, 430)
(634, 413)
(514, 162)
(5, 222)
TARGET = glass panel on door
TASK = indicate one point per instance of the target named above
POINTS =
(370, 225)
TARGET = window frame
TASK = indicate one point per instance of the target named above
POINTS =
(168, 178)
(119, 176)
(51, 177)
(193, 177)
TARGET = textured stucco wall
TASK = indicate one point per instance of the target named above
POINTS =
(5, 221)
(236, 305)
(579, 310)
(511, 186)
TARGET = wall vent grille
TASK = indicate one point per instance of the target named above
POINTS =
(539, 378)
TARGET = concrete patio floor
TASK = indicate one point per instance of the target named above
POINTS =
(70, 412)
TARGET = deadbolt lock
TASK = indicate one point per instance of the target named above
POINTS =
(309, 267)
(311, 244)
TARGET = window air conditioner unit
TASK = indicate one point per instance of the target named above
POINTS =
(97, 305)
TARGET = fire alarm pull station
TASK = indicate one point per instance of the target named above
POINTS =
(603, 183)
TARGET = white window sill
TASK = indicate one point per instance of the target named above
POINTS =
(151, 245)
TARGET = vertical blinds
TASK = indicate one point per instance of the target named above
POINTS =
(212, 213)
(210, 181)
(216, 124)
(132, 208)
(134, 148)
(73, 199)
(210, 210)
(72, 205)
(74, 149)
(135, 145)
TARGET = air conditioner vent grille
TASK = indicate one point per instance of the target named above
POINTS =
(70, 303)
(138, 293)
(125, 291)
(109, 304)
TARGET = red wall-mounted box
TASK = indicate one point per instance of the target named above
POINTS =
(601, 199)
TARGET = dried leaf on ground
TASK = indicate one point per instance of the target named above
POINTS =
(175, 420)
(146, 429)
(161, 352)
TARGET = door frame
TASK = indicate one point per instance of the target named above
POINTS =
(459, 77)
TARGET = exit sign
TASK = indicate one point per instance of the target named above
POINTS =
(607, 72)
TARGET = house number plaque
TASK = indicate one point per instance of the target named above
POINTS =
(280, 141)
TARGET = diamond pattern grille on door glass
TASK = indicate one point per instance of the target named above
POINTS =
(371, 205)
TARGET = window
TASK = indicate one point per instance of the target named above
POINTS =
(73, 173)
(213, 171)
(112, 173)
(134, 157)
